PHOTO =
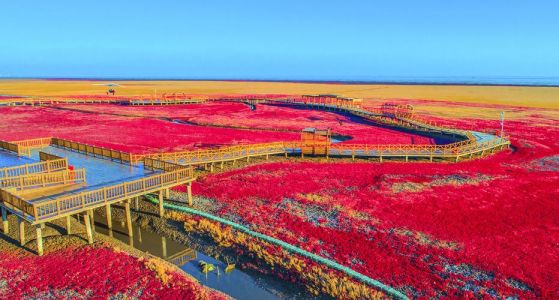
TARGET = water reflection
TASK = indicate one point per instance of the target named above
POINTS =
(236, 283)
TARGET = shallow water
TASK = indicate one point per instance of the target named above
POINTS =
(237, 283)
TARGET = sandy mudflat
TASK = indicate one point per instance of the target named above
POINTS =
(542, 97)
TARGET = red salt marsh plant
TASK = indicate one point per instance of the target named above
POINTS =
(482, 228)
(94, 273)
(266, 117)
(131, 134)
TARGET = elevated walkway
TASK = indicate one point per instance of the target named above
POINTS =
(119, 177)
(34, 168)
(48, 194)
(43, 180)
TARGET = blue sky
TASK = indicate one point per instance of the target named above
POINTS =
(269, 39)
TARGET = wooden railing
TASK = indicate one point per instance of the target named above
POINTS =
(9, 146)
(374, 115)
(43, 156)
(79, 201)
(131, 100)
(8, 196)
(161, 101)
(26, 146)
(42, 180)
(95, 151)
(40, 167)
(466, 145)
(219, 154)
(450, 150)
(31, 101)
(34, 143)
(156, 164)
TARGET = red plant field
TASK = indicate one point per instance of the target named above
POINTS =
(268, 117)
(137, 135)
(94, 273)
(485, 228)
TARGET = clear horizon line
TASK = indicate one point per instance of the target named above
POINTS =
(389, 80)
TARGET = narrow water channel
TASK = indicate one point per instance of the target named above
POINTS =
(236, 283)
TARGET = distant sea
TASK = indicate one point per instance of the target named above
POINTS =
(473, 80)
(443, 80)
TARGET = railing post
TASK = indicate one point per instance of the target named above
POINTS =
(128, 217)
(21, 227)
(161, 209)
(92, 219)
(87, 222)
(189, 193)
(68, 224)
(38, 230)
(109, 216)
(5, 224)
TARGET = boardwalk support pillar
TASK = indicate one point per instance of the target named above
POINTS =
(21, 231)
(91, 219)
(68, 224)
(88, 230)
(5, 224)
(38, 230)
(189, 193)
(129, 217)
(161, 210)
(109, 216)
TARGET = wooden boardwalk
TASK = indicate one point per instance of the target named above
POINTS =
(165, 99)
(34, 168)
(175, 168)
(24, 148)
(43, 180)
(467, 145)
(17, 183)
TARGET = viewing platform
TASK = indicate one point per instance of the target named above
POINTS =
(60, 183)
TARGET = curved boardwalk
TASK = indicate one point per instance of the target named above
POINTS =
(174, 168)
